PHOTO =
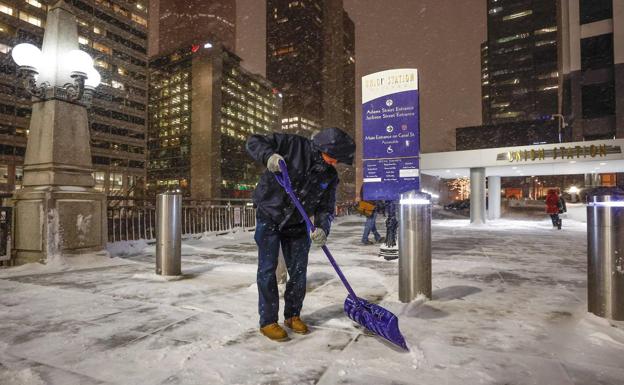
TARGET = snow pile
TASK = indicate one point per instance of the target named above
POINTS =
(21, 377)
(58, 263)
(127, 248)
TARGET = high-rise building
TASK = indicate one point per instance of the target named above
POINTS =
(592, 64)
(114, 33)
(176, 23)
(519, 61)
(311, 59)
(203, 107)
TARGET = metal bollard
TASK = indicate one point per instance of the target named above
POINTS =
(605, 256)
(414, 245)
(169, 233)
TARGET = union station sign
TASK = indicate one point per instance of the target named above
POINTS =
(563, 152)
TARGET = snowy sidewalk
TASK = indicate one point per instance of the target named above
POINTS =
(509, 308)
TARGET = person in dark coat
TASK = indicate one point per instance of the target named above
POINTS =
(370, 226)
(552, 207)
(314, 179)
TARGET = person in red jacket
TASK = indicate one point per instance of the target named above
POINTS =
(552, 207)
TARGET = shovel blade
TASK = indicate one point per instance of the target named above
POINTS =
(376, 319)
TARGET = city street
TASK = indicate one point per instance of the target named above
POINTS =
(509, 307)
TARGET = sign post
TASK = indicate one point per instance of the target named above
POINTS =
(391, 133)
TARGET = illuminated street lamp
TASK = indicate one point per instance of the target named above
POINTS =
(60, 74)
(57, 211)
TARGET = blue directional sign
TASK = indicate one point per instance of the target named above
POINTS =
(391, 133)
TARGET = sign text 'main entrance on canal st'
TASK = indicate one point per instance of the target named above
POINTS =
(563, 152)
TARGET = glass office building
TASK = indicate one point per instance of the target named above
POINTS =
(114, 33)
(203, 107)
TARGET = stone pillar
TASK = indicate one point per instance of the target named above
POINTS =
(58, 212)
(477, 195)
(494, 197)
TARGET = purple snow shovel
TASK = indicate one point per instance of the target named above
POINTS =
(373, 317)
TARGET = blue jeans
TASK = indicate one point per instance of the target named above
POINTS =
(295, 247)
(369, 226)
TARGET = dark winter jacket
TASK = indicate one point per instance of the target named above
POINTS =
(562, 205)
(552, 202)
(313, 181)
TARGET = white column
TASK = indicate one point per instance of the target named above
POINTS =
(477, 195)
(494, 197)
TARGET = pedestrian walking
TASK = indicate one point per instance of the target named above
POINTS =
(314, 179)
(369, 210)
(553, 207)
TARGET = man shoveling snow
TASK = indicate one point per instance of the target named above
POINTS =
(310, 165)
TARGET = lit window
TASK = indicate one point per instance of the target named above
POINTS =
(545, 30)
(509, 115)
(105, 3)
(120, 10)
(83, 40)
(6, 9)
(518, 15)
(34, 3)
(30, 19)
(102, 48)
(545, 42)
(513, 37)
(102, 64)
(549, 75)
(4, 48)
(117, 85)
(138, 19)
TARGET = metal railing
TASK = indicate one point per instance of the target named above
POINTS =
(135, 221)
(130, 223)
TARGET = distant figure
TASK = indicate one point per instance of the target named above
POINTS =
(553, 207)
(369, 210)
(562, 205)
(389, 250)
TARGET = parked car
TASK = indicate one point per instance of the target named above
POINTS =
(458, 205)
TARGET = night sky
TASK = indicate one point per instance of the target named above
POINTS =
(439, 37)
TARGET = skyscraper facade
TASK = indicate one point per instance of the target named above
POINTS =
(311, 59)
(203, 107)
(174, 23)
(519, 61)
(114, 33)
(592, 64)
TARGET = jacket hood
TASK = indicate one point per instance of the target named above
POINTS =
(336, 143)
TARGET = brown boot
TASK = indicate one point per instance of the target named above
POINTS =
(297, 325)
(274, 332)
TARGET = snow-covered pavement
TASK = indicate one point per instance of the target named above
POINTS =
(509, 307)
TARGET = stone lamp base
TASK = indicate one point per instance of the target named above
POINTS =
(50, 221)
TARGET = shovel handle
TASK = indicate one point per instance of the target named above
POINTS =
(284, 180)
